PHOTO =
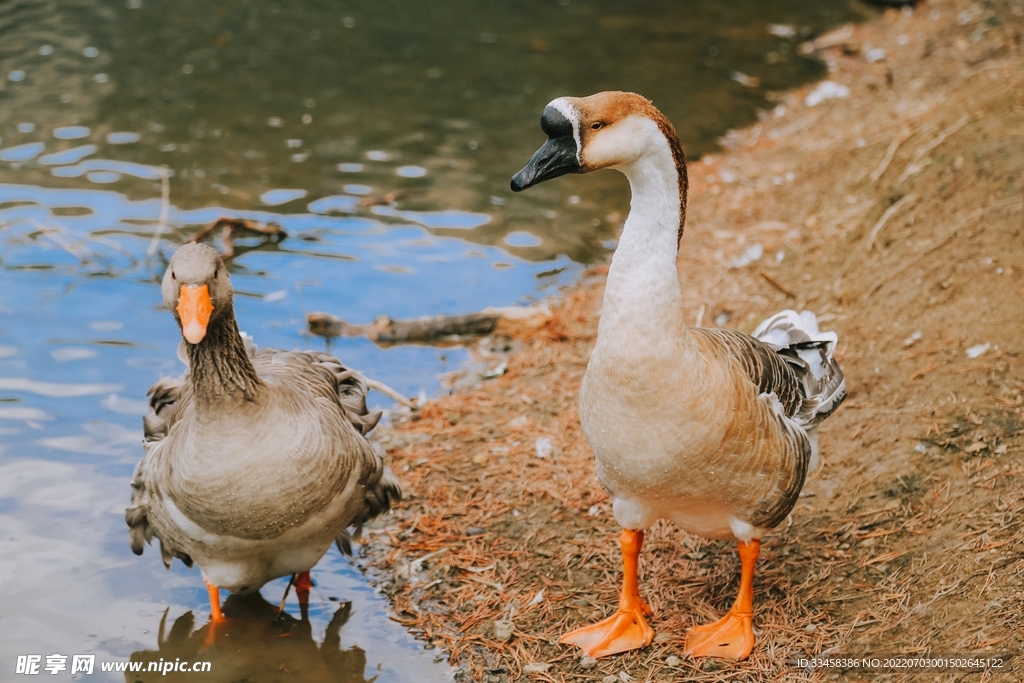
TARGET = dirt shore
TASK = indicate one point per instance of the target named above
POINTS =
(896, 214)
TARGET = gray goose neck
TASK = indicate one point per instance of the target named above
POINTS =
(219, 367)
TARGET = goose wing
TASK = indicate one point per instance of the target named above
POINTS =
(165, 398)
(332, 379)
(349, 390)
(793, 363)
(762, 365)
(801, 381)
(382, 490)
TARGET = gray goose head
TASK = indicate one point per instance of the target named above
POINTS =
(197, 289)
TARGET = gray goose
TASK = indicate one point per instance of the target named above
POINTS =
(255, 461)
(711, 429)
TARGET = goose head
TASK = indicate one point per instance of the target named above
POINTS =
(196, 288)
(606, 130)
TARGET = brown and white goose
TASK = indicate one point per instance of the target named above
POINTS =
(711, 429)
(256, 461)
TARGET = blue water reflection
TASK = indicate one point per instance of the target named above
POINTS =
(95, 261)
(83, 335)
(24, 152)
(68, 156)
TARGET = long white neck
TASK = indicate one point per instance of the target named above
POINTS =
(642, 300)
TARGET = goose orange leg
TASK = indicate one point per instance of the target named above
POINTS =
(626, 629)
(216, 615)
(732, 636)
(303, 584)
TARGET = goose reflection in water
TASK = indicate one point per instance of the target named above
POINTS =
(258, 643)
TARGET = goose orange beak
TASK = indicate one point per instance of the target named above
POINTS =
(194, 308)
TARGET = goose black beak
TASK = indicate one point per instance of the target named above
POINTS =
(556, 157)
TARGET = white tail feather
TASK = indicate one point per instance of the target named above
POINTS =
(788, 327)
(789, 332)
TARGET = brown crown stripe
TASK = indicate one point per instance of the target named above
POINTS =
(680, 158)
(678, 155)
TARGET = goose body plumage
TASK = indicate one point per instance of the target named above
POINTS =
(710, 428)
(255, 461)
(725, 424)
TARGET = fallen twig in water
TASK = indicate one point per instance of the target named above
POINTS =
(77, 248)
(392, 394)
(384, 200)
(231, 225)
(165, 205)
(436, 328)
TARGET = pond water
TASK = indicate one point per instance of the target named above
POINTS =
(380, 135)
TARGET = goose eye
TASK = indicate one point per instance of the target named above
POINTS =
(215, 274)
(173, 276)
(597, 125)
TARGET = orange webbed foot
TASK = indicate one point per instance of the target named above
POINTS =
(626, 629)
(623, 631)
(731, 637)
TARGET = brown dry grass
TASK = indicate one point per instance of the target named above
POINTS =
(903, 215)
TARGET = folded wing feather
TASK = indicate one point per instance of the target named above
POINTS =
(790, 362)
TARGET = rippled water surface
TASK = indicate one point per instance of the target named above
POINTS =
(380, 136)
